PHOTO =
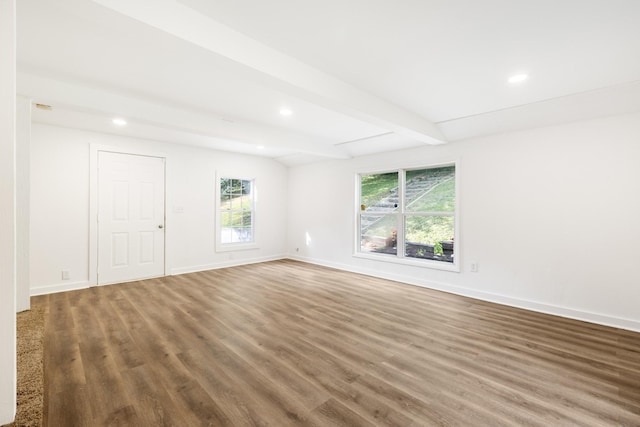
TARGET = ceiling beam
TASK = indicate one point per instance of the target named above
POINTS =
(289, 74)
(222, 132)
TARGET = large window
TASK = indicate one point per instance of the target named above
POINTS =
(236, 211)
(409, 215)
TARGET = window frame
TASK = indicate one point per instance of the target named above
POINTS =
(402, 215)
(236, 246)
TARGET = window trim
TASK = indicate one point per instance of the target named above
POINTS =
(235, 246)
(399, 257)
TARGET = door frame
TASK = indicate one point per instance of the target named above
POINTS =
(94, 150)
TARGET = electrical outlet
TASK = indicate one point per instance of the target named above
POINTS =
(66, 275)
(297, 249)
(474, 267)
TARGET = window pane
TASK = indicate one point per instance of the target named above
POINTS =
(225, 193)
(242, 235)
(236, 219)
(225, 219)
(378, 233)
(246, 219)
(244, 202)
(233, 187)
(431, 190)
(226, 234)
(429, 237)
(246, 187)
(379, 192)
(226, 227)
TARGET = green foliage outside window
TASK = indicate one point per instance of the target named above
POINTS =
(377, 186)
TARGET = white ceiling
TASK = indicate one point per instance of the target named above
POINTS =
(361, 76)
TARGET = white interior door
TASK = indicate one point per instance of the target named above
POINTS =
(130, 217)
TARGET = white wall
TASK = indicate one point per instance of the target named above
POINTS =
(60, 205)
(7, 211)
(23, 160)
(550, 215)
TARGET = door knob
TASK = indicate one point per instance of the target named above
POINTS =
(161, 226)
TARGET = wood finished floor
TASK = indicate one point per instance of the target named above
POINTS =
(286, 343)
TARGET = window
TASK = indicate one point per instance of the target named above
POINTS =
(236, 211)
(409, 215)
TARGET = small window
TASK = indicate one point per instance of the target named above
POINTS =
(236, 212)
(409, 215)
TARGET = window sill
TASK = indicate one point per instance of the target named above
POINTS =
(434, 265)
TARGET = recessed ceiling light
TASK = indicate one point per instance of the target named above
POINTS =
(518, 78)
(119, 122)
(286, 112)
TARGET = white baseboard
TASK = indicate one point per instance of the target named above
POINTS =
(600, 319)
(225, 264)
(59, 287)
(7, 413)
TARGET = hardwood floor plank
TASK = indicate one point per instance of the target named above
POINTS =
(64, 364)
(155, 406)
(336, 414)
(273, 395)
(68, 408)
(286, 343)
(60, 317)
(104, 391)
(202, 405)
(234, 398)
(330, 375)
(306, 392)
(125, 353)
